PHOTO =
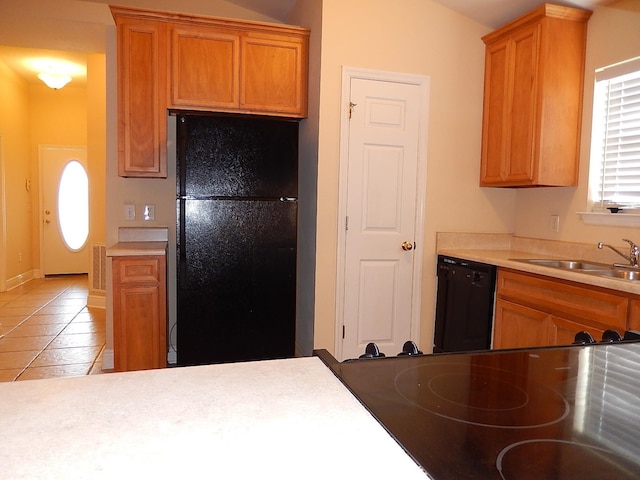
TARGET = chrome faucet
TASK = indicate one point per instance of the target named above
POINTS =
(634, 252)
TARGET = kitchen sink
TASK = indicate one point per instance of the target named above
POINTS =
(590, 268)
(566, 264)
(620, 273)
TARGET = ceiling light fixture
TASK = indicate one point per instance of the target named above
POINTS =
(54, 80)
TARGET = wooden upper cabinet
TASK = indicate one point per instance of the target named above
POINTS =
(205, 65)
(534, 71)
(179, 61)
(272, 67)
(142, 102)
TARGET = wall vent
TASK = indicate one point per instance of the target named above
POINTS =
(98, 273)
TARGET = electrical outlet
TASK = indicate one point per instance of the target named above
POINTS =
(129, 212)
(554, 223)
(149, 212)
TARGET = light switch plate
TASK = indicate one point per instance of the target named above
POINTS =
(129, 212)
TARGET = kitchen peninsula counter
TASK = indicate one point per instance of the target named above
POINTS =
(271, 419)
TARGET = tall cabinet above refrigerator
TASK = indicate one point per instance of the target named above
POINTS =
(236, 238)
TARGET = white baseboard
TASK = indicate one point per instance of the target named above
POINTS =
(97, 300)
(108, 359)
(20, 279)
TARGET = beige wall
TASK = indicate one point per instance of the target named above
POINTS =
(418, 37)
(308, 14)
(613, 35)
(14, 131)
(96, 145)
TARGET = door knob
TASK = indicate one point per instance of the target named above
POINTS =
(406, 246)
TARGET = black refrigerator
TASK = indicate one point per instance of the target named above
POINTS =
(237, 188)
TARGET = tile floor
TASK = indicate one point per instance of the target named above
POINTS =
(46, 330)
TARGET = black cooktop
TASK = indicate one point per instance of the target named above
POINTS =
(546, 413)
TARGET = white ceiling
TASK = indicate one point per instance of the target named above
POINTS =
(68, 29)
(494, 13)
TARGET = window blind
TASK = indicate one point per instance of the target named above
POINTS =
(617, 133)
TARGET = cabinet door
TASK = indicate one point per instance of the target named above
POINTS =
(142, 130)
(139, 313)
(563, 331)
(138, 328)
(204, 68)
(517, 326)
(495, 111)
(521, 118)
(273, 74)
(634, 315)
(509, 118)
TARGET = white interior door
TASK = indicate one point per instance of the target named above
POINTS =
(59, 254)
(383, 216)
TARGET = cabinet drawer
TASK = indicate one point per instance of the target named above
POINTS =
(138, 270)
(570, 301)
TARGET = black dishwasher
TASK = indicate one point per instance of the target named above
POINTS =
(464, 305)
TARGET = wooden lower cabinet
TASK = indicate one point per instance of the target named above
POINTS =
(533, 310)
(634, 315)
(562, 331)
(139, 312)
(518, 326)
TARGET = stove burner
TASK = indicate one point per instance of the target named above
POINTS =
(451, 388)
(481, 395)
(566, 459)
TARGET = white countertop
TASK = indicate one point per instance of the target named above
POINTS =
(279, 419)
(139, 241)
(128, 249)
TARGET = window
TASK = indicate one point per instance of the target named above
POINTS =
(73, 205)
(615, 145)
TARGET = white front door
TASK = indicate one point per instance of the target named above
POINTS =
(384, 192)
(60, 255)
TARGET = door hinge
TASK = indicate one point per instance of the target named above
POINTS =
(351, 105)
(346, 223)
(343, 332)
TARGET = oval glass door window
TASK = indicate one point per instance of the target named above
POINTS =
(73, 205)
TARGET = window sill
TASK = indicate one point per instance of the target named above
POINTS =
(611, 219)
